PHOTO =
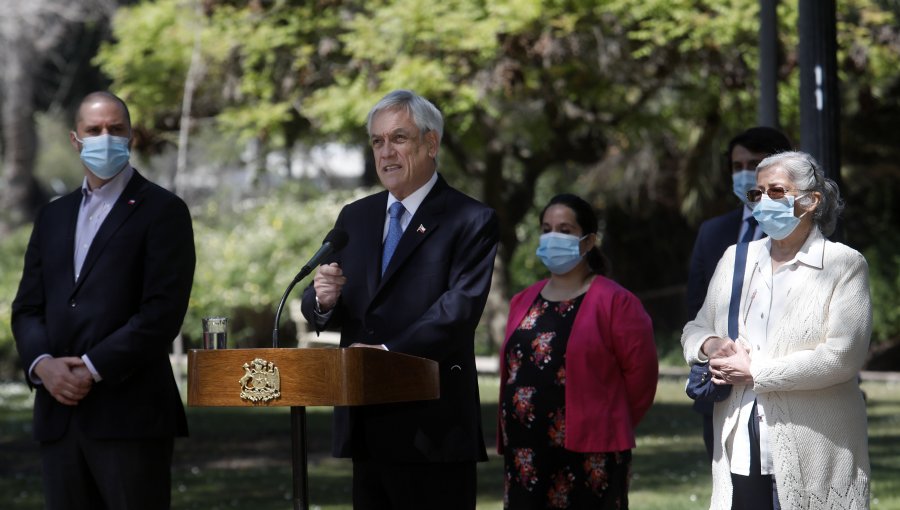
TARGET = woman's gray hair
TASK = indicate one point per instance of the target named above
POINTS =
(807, 175)
(424, 114)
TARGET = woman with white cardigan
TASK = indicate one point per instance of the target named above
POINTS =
(792, 433)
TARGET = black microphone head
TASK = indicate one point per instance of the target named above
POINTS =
(338, 238)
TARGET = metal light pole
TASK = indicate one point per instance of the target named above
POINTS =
(767, 109)
(819, 98)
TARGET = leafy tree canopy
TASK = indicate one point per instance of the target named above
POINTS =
(626, 102)
(527, 86)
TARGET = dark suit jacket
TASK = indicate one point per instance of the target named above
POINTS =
(123, 312)
(715, 236)
(427, 304)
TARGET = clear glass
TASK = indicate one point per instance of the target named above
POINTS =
(215, 332)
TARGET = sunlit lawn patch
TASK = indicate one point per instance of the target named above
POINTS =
(240, 458)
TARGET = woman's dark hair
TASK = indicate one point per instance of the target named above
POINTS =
(587, 220)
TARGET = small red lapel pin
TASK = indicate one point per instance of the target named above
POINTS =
(131, 202)
(421, 229)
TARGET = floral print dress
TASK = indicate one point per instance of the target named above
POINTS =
(539, 472)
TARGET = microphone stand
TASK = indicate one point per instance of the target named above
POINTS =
(304, 272)
(299, 443)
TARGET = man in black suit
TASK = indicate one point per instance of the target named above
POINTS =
(413, 278)
(104, 290)
(745, 151)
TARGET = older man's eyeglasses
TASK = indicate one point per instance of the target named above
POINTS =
(775, 193)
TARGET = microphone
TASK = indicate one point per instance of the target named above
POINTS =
(334, 242)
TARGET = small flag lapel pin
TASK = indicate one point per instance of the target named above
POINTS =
(421, 229)
(131, 202)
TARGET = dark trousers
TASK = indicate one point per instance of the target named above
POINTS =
(708, 434)
(80, 473)
(379, 485)
(705, 409)
(757, 491)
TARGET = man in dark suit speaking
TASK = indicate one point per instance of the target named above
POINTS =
(413, 279)
(104, 290)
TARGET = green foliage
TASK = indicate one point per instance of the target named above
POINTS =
(437, 49)
(255, 63)
(247, 256)
(12, 255)
(153, 50)
(508, 74)
(57, 161)
(527, 86)
(870, 225)
(629, 102)
(884, 280)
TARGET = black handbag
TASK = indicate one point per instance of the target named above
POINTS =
(699, 384)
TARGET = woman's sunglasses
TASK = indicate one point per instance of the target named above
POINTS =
(775, 193)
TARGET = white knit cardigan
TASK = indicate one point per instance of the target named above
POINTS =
(808, 384)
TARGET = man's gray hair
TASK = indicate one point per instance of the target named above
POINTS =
(424, 114)
(806, 174)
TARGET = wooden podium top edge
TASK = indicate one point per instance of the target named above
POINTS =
(267, 377)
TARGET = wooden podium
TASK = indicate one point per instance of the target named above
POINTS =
(307, 377)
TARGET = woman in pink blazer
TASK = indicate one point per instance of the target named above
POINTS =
(578, 372)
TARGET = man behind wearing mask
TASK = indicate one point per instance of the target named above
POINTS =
(745, 151)
(104, 290)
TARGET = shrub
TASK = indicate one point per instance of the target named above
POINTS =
(247, 254)
(246, 257)
(884, 279)
(12, 253)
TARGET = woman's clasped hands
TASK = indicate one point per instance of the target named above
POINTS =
(729, 362)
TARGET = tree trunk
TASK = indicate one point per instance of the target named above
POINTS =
(20, 195)
(194, 74)
(497, 307)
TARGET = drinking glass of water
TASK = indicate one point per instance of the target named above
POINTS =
(215, 332)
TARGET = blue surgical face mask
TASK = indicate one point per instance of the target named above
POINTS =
(104, 155)
(560, 252)
(776, 217)
(743, 181)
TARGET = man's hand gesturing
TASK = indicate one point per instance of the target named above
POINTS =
(328, 282)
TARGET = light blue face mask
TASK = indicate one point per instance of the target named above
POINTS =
(776, 217)
(105, 155)
(743, 181)
(560, 253)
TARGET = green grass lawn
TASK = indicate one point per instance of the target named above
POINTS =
(240, 458)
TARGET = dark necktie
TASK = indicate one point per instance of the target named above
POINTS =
(751, 229)
(395, 230)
